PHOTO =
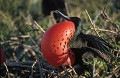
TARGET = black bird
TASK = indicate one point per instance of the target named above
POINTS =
(93, 44)
(52, 5)
(64, 44)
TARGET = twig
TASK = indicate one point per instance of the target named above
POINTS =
(93, 24)
(32, 68)
(113, 72)
(22, 36)
(94, 69)
(73, 69)
(69, 70)
(39, 27)
(106, 15)
(96, 17)
(105, 30)
(102, 55)
(65, 69)
(34, 63)
(25, 67)
(67, 8)
(40, 69)
(35, 43)
(7, 73)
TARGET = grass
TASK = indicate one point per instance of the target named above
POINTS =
(21, 38)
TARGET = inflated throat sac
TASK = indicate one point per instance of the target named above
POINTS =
(55, 44)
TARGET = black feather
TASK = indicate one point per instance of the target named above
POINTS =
(95, 42)
(80, 51)
(84, 40)
(80, 40)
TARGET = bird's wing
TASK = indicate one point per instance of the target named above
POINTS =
(94, 42)
(80, 51)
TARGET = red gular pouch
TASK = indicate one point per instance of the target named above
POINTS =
(55, 44)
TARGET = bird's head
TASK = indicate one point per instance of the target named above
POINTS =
(75, 20)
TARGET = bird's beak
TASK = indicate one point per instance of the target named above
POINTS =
(62, 15)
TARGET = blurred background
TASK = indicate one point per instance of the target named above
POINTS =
(17, 16)
(22, 20)
(22, 24)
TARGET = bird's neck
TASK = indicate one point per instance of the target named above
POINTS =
(78, 30)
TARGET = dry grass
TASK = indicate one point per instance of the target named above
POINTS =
(23, 52)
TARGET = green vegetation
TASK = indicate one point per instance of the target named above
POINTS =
(21, 36)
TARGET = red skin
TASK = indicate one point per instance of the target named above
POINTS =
(55, 44)
(2, 56)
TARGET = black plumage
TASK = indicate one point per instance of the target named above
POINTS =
(95, 42)
(82, 43)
